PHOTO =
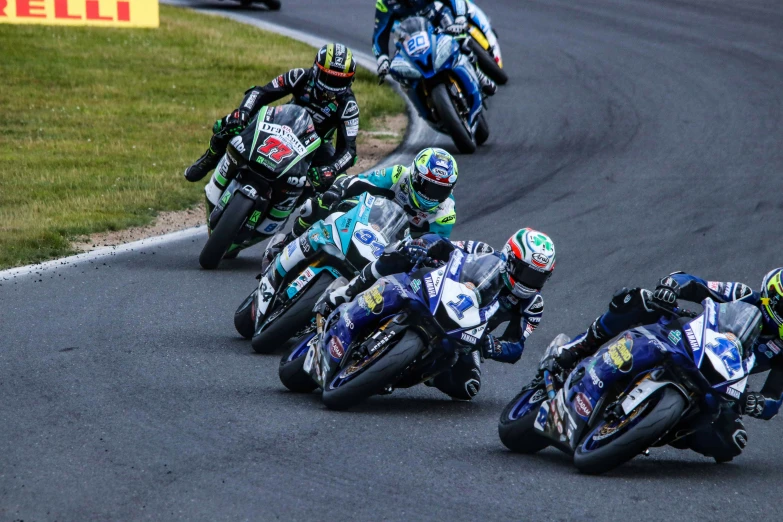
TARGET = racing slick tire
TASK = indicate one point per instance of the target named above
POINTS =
(665, 410)
(518, 434)
(487, 64)
(292, 373)
(375, 377)
(222, 237)
(285, 325)
(244, 317)
(458, 131)
(482, 129)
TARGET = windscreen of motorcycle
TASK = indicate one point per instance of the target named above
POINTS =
(280, 142)
(413, 35)
(477, 285)
(380, 222)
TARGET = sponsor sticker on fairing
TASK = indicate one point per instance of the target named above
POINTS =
(286, 135)
(582, 405)
(468, 338)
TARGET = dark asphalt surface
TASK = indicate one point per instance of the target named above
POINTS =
(644, 136)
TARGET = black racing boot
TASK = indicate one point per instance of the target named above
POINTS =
(488, 87)
(203, 165)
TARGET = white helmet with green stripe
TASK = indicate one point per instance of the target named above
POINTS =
(529, 261)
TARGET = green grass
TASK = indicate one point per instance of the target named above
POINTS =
(98, 124)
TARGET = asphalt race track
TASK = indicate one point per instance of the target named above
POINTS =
(644, 135)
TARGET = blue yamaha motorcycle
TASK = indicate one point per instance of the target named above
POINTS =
(440, 82)
(402, 331)
(650, 386)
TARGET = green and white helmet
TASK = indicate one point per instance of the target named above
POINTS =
(529, 261)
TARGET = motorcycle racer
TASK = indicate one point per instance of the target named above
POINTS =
(452, 19)
(632, 307)
(529, 258)
(423, 190)
(325, 92)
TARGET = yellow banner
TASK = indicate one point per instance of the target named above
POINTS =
(108, 13)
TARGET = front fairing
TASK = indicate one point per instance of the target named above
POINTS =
(386, 298)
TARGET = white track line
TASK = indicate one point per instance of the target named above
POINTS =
(418, 133)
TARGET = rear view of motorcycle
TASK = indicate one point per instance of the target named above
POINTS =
(276, 147)
(441, 83)
(650, 386)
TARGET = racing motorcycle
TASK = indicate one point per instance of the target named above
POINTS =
(343, 243)
(402, 331)
(650, 386)
(278, 143)
(440, 81)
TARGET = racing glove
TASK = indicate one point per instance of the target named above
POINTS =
(383, 66)
(416, 251)
(758, 406)
(667, 292)
(332, 196)
(321, 178)
(458, 27)
(234, 123)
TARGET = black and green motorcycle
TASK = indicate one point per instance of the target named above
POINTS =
(273, 152)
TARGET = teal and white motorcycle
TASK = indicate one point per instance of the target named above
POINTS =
(338, 246)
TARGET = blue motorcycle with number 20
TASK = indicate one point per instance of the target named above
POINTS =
(440, 82)
(650, 386)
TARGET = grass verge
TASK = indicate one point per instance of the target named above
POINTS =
(99, 123)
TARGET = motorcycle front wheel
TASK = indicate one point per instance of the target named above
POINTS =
(292, 373)
(611, 443)
(228, 227)
(458, 131)
(284, 325)
(371, 375)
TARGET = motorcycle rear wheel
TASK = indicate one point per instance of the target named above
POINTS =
(665, 410)
(244, 317)
(222, 237)
(487, 64)
(373, 379)
(292, 320)
(518, 434)
(482, 129)
(293, 375)
(458, 131)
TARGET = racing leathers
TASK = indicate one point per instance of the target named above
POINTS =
(463, 380)
(451, 18)
(632, 307)
(391, 183)
(339, 116)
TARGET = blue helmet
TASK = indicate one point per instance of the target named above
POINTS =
(433, 175)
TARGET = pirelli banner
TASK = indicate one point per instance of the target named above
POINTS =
(108, 13)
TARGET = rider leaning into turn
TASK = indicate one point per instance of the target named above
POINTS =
(529, 259)
(631, 307)
(452, 19)
(325, 91)
(423, 190)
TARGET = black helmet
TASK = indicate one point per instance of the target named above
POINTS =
(333, 70)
